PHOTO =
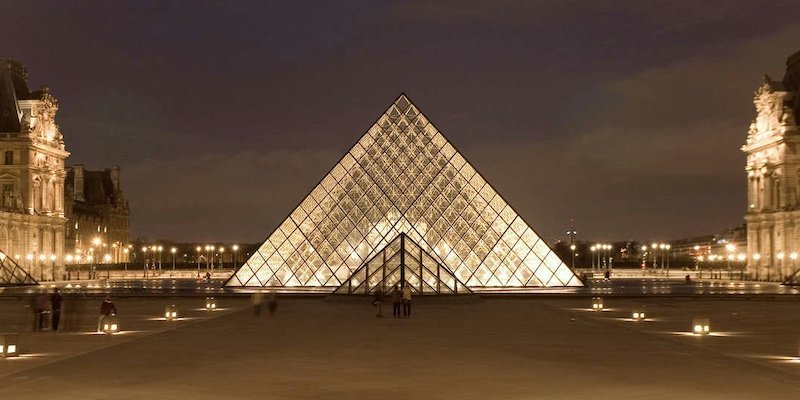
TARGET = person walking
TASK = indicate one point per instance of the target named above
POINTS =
(407, 300)
(377, 301)
(41, 309)
(397, 301)
(106, 309)
(257, 299)
(55, 304)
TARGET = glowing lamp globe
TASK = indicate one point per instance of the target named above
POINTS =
(9, 343)
(211, 304)
(597, 304)
(110, 324)
(171, 312)
(701, 326)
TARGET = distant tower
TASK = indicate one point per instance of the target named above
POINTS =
(773, 177)
(31, 175)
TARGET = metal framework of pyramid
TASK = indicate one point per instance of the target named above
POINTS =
(402, 262)
(403, 177)
(11, 274)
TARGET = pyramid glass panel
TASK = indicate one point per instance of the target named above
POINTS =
(403, 177)
(11, 274)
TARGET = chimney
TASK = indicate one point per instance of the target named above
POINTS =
(77, 173)
(114, 174)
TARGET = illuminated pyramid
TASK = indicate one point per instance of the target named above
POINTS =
(403, 177)
(11, 274)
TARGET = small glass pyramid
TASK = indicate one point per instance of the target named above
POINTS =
(403, 177)
(11, 274)
(402, 260)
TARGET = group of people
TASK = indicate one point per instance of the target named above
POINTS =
(401, 299)
(47, 311)
(39, 306)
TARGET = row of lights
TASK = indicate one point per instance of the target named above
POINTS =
(700, 325)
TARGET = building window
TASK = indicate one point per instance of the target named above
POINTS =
(9, 158)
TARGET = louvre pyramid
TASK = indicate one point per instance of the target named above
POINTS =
(402, 260)
(11, 274)
(403, 176)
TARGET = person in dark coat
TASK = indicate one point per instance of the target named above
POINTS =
(377, 301)
(41, 309)
(106, 309)
(55, 303)
(397, 301)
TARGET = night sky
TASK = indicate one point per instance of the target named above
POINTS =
(626, 116)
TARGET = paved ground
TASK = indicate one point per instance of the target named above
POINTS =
(466, 348)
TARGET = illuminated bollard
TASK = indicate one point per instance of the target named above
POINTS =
(638, 315)
(8, 344)
(597, 304)
(110, 324)
(171, 312)
(211, 304)
(701, 326)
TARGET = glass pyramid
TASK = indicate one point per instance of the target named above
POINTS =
(402, 260)
(403, 176)
(11, 274)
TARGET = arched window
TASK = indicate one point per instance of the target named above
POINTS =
(9, 157)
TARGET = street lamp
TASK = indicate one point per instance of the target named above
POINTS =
(144, 261)
(667, 247)
(571, 247)
(593, 248)
(780, 257)
(236, 258)
(125, 252)
(53, 265)
(160, 248)
(757, 257)
(41, 267)
(173, 250)
(198, 261)
(107, 259)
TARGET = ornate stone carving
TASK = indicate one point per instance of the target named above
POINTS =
(45, 117)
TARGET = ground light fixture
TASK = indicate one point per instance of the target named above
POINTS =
(9, 343)
(211, 304)
(701, 326)
(110, 324)
(597, 304)
(638, 315)
(171, 312)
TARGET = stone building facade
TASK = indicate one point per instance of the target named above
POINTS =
(32, 173)
(97, 214)
(773, 177)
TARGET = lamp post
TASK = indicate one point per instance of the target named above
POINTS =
(593, 248)
(53, 266)
(198, 261)
(668, 246)
(571, 247)
(211, 260)
(756, 258)
(780, 257)
(144, 261)
(173, 250)
(125, 255)
(236, 258)
(160, 248)
(107, 259)
(653, 248)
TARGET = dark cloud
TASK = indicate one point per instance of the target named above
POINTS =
(624, 115)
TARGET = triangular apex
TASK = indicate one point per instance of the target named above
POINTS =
(403, 175)
(11, 274)
(402, 262)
